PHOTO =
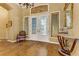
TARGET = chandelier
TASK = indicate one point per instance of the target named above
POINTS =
(27, 5)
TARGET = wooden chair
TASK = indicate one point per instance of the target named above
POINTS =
(64, 50)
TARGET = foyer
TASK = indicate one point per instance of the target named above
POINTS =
(38, 26)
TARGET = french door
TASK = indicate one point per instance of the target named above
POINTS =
(39, 28)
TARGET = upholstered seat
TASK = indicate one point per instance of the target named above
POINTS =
(21, 36)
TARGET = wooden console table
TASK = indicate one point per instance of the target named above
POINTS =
(69, 36)
(63, 40)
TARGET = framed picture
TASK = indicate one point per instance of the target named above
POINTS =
(9, 24)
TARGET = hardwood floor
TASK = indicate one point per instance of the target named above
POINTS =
(28, 48)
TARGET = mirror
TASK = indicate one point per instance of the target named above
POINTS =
(68, 15)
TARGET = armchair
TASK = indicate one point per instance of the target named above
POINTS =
(21, 36)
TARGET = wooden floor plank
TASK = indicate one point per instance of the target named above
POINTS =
(28, 48)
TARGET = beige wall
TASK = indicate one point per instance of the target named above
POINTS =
(76, 20)
(75, 30)
(25, 11)
(53, 7)
(15, 15)
(76, 26)
(3, 21)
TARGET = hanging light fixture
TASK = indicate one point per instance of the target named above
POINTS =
(27, 5)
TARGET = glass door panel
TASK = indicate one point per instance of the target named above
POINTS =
(39, 28)
(33, 28)
(43, 25)
(33, 25)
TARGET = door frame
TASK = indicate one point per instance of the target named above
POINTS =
(50, 20)
(24, 23)
(38, 17)
(32, 36)
(47, 36)
(24, 20)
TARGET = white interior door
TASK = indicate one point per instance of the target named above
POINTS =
(33, 28)
(43, 34)
(39, 28)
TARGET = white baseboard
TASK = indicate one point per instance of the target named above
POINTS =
(11, 41)
(44, 41)
(35, 40)
(54, 42)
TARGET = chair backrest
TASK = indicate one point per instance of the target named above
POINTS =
(22, 33)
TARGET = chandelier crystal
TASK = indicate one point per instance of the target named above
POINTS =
(27, 5)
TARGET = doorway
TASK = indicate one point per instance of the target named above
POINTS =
(38, 28)
(54, 24)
